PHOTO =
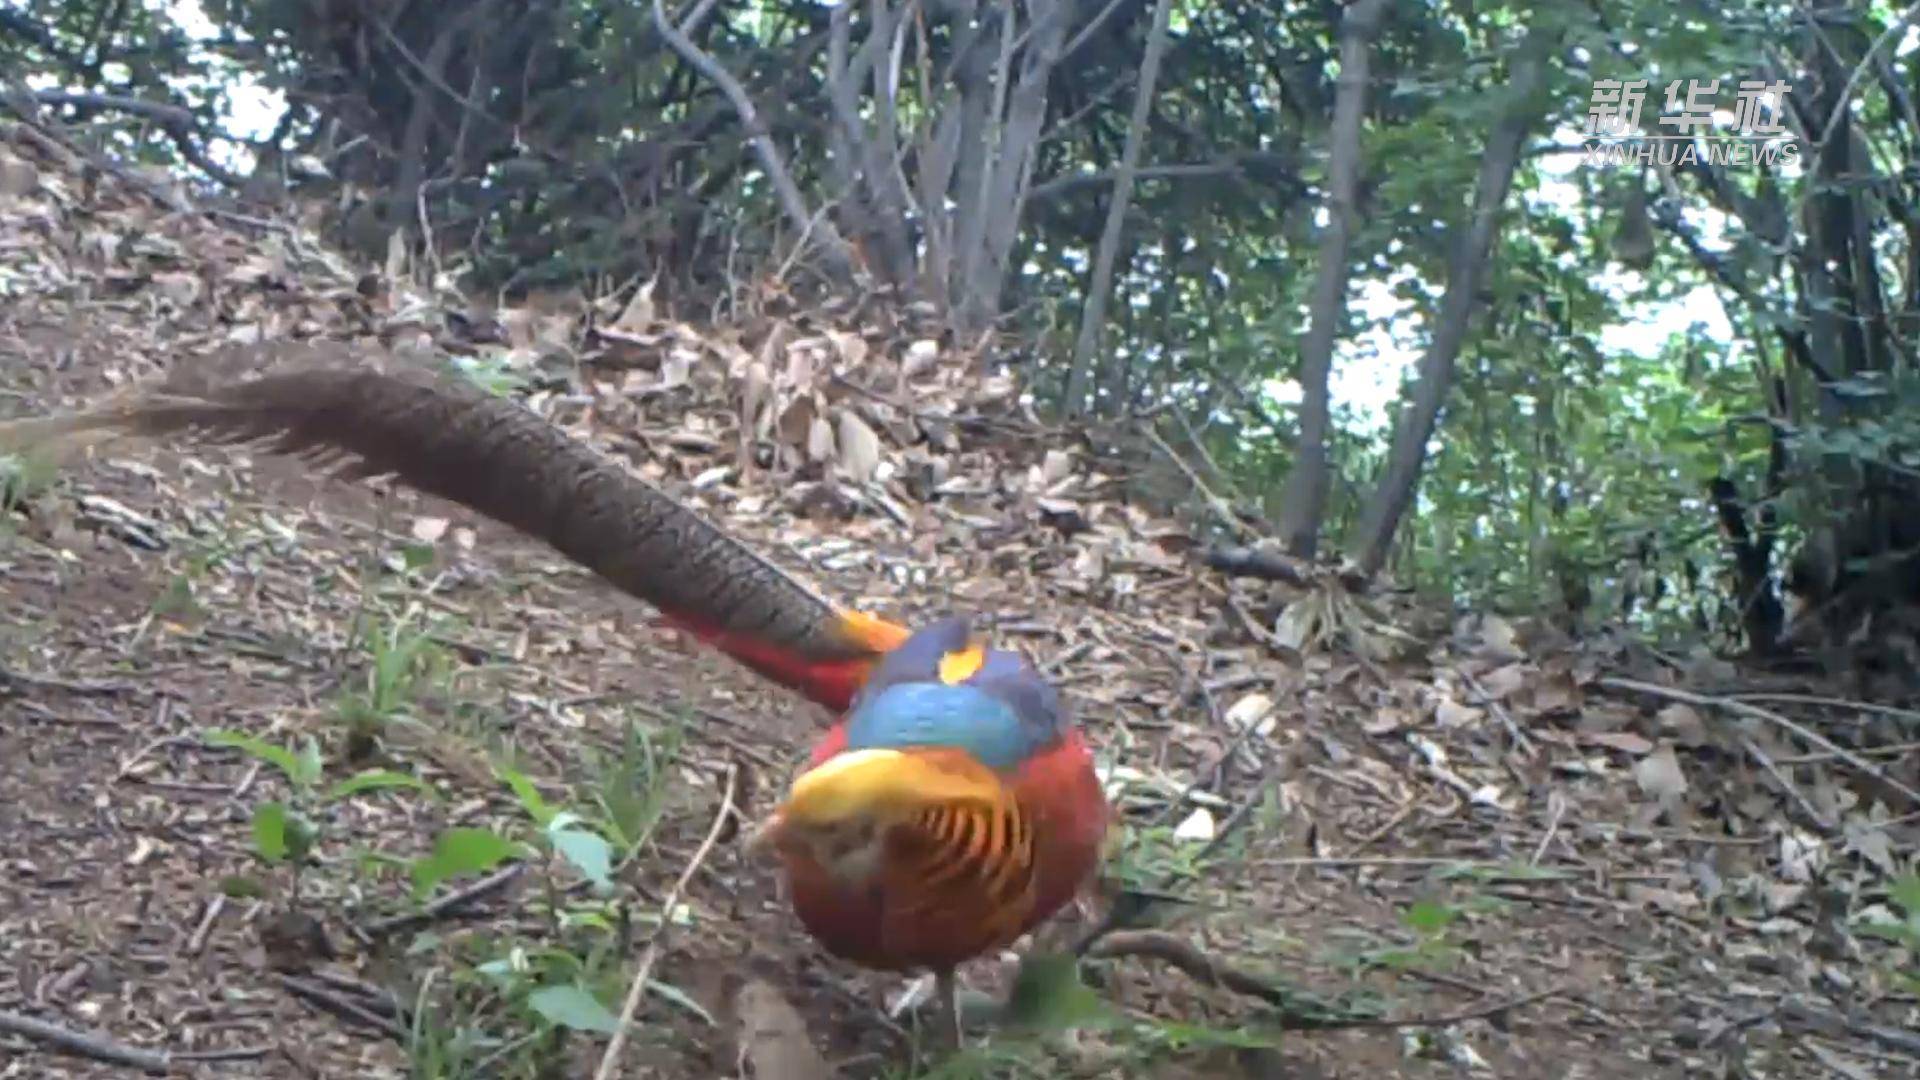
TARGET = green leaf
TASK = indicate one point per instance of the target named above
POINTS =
(529, 796)
(242, 887)
(461, 851)
(270, 831)
(588, 852)
(1898, 933)
(278, 756)
(679, 997)
(376, 780)
(1048, 994)
(309, 762)
(300, 836)
(1905, 891)
(1428, 917)
(571, 1006)
(1185, 1036)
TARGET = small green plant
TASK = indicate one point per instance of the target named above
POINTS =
(177, 599)
(1049, 997)
(24, 478)
(403, 660)
(544, 990)
(494, 373)
(1429, 921)
(287, 833)
(1905, 933)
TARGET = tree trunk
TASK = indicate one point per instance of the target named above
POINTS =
(1010, 151)
(1374, 536)
(1093, 314)
(1305, 500)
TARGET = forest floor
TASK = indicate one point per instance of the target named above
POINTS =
(1478, 852)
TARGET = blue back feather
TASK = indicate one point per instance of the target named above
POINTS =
(1003, 714)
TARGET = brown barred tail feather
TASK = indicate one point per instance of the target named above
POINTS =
(443, 435)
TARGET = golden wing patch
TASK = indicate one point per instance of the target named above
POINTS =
(958, 666)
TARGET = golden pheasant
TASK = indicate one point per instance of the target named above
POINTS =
(950, 810)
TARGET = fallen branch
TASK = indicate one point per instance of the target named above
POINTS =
(1182, 954)
(1500, 713)
(1220, 507)
(1814, 817)
(79, 687)
(1133, 905)
(1742, 708)
(452, 901)
(1255, 563)
(84, 1043)
(1832, 703)
(721, 819)
(326, 999)
(1803, 1016)
(1188, 958)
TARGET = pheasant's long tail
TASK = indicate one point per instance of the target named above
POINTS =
(450, 438)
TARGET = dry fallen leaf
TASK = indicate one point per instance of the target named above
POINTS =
(1449, 713)
(859, 447)
(638, 314)
(773, 1037)
(1660, 777)
(1501, 683)
(921, 357)
(429, 530)
(1682, 724)
(17, 177)
(1624, 741)
(1057, 466)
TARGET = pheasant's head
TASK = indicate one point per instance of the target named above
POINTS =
(838, 814)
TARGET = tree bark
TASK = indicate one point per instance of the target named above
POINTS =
(1093, 314)
(1374, 536)
(1305, 500)
(1011, 152)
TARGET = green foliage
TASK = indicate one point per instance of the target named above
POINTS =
(461, 851)
(1429, 921)
(1904, 892)
(23, 480)
(572, 1006)
(1048, 995)
(302, 768)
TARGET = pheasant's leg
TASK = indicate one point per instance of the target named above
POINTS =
(946, 999)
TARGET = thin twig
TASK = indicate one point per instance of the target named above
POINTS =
(339, 1006)
(86, 1044)
(1801, 1015)
(1830, 702)
(1130, 908)
(1520, 740)
(1756, 712)
(82, 687)
(452, 901)
(1338, 862)
(609, 1060)
(1814, 816)
(1220, 506)
(1165, 947)
(214, 1057)
(198, 940)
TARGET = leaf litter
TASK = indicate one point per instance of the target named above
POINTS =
(1432, 814)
